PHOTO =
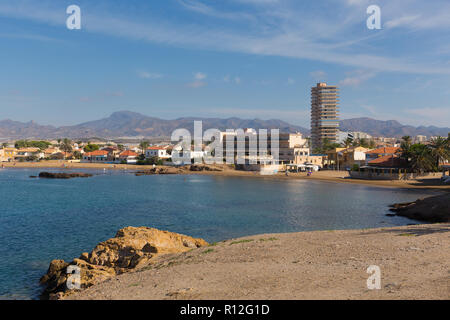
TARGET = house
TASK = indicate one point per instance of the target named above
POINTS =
(95, 156)
(7, 154)
(158, 152)
(346, 158)
(50, 151)
(113, 153)
(128, 156)
(381, 152)
(24, 153)
(388, 161)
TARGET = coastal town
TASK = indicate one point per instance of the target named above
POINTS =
(327, 148)
(229, 155)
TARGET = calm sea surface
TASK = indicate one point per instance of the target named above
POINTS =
(41, 220)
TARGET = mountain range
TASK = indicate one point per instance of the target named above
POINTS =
(131, 124)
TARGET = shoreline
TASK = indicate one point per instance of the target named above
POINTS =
(302, 265)
(430, 182)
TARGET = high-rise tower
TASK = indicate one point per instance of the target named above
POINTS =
(324, 114)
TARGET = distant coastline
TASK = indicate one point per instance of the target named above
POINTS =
(430, 182)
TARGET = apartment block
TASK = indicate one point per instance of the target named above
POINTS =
(324, 114)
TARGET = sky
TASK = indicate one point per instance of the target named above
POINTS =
(223, 58)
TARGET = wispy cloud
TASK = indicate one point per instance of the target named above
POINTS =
(318, 75)
(148, 75)
(357, 77)
(198, 82)
(275, 30)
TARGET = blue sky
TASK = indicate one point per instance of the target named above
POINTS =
(223, 58)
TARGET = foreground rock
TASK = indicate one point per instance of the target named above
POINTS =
(63, 175)
(130, 249)
(431, 209)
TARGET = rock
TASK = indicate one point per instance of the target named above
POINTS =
(159, 170)
(130, 249)
(431, 209)
(204, 167)
(59, 175)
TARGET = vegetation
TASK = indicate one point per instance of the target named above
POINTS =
(144, 145)
(66, 145)
(422, 158)
(91, 147)
(42, 145)
(327, 145)
(150, 161)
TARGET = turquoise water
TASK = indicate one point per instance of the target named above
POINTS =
(41, 220)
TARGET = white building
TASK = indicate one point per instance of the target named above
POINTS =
(158, 152)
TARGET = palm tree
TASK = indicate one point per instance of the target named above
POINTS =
(66, 146)
(405, 148)
(421, 158)
(347, 142)
(440, 150)
(144, 145)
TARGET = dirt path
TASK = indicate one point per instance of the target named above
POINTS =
(414, 263)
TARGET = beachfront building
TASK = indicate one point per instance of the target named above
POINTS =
(7, 154)
(128, 156)
(26, 153)
(98, 156)
(346, 158)
(157, 152)
(324, 114)
(381, 152)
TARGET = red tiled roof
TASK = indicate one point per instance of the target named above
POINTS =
(387, 161)
(128, 153)
(385, 150)
(97, 153)
(155, 148)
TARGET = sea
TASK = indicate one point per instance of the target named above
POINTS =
(46, 219)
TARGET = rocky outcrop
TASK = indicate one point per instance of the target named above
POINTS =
(63, 175)
(130, 249)
(204, 167)
(159, 170)
(431, 209)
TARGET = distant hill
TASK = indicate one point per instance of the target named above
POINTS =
(390, 128)
(132, 124)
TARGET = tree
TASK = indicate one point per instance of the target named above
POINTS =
(66, 146)
(42, 145)
(144, 145)
(440, 150)
(121, 147)
(91, 147)
(77, 155)
(405, 148)
(5, 145)
(347, 142)
(421, 158)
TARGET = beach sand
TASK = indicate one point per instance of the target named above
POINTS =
(431, 181)
(414, 262)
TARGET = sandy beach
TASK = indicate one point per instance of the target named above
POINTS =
(414, 262)
(432, 181)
